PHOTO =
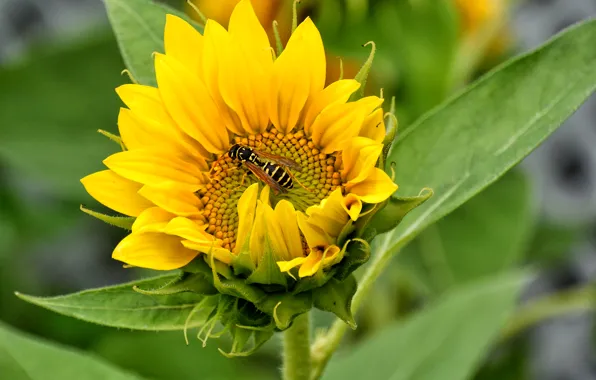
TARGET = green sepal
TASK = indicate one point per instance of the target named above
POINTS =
(362, 74)
(124, 222)
(247, 314)
(235, 288)
(394, 210)
(243, 264)
(391, 126)
(186, 282)
(285, 307)
(113, 137)
(241, 335)
(336, 297)
(267, 271)
(345, 232)
(315, 281)
(357, 253)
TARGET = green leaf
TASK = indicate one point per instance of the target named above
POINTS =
(48, 125)
(336, 297)
(487, 235)
(139, 28)
(470, 141)
(396, 209)
(445, 341)
(26, 358)
(197, 283)
(122, 306)
(166, 356)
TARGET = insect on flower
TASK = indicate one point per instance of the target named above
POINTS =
(269, 168)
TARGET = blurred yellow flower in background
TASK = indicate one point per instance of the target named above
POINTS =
(242, 156)
(478, 17)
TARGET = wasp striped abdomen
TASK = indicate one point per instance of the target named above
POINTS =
(278, 174)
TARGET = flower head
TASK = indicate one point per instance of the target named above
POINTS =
(223, 88)
(242, 160)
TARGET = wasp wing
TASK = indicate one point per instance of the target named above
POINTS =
(287, 162)
(263, 176)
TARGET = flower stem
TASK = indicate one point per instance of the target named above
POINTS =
(326, 345)
(296, 358)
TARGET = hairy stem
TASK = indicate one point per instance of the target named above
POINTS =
(297, 362)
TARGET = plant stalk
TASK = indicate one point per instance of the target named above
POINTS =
(296, 345)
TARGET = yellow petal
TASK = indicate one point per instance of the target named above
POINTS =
(330, 215)
(286, 266)
(287, 215)
(188, 230)
(282, 231)
(189, 104)
(298, 74)
(353, 206)
(359, 157)
(274, 234)
(316, 63)
(311, 264)
(184, 43)
(341, 122)
(317, 259)
(336, 93)
(212, 248)
(245, 91)
(151, 118)
(375, 188)
(315, 235)
(115, 192)
(259, 231)
(373, 126)
(151, 167)
(265, 196)
(153, 219)
(246, 29)
(154, 251)
(173, 198)
(246, 215)
(217, 41)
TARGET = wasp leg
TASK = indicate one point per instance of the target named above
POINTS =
(298, 182)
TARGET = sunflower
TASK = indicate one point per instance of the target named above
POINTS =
(226, 87)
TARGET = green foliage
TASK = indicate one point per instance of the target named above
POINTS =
(25, 358)
(336, 297)
(71, 92)
(446, 341)
(139, 26)
(473, 139)
(122, 306)
(485, 236)
(164, 356)
(421, 33)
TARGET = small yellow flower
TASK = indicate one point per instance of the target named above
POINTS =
(225, 87)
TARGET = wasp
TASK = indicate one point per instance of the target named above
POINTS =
(269, 168)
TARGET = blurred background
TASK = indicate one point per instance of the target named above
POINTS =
(59, 65)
